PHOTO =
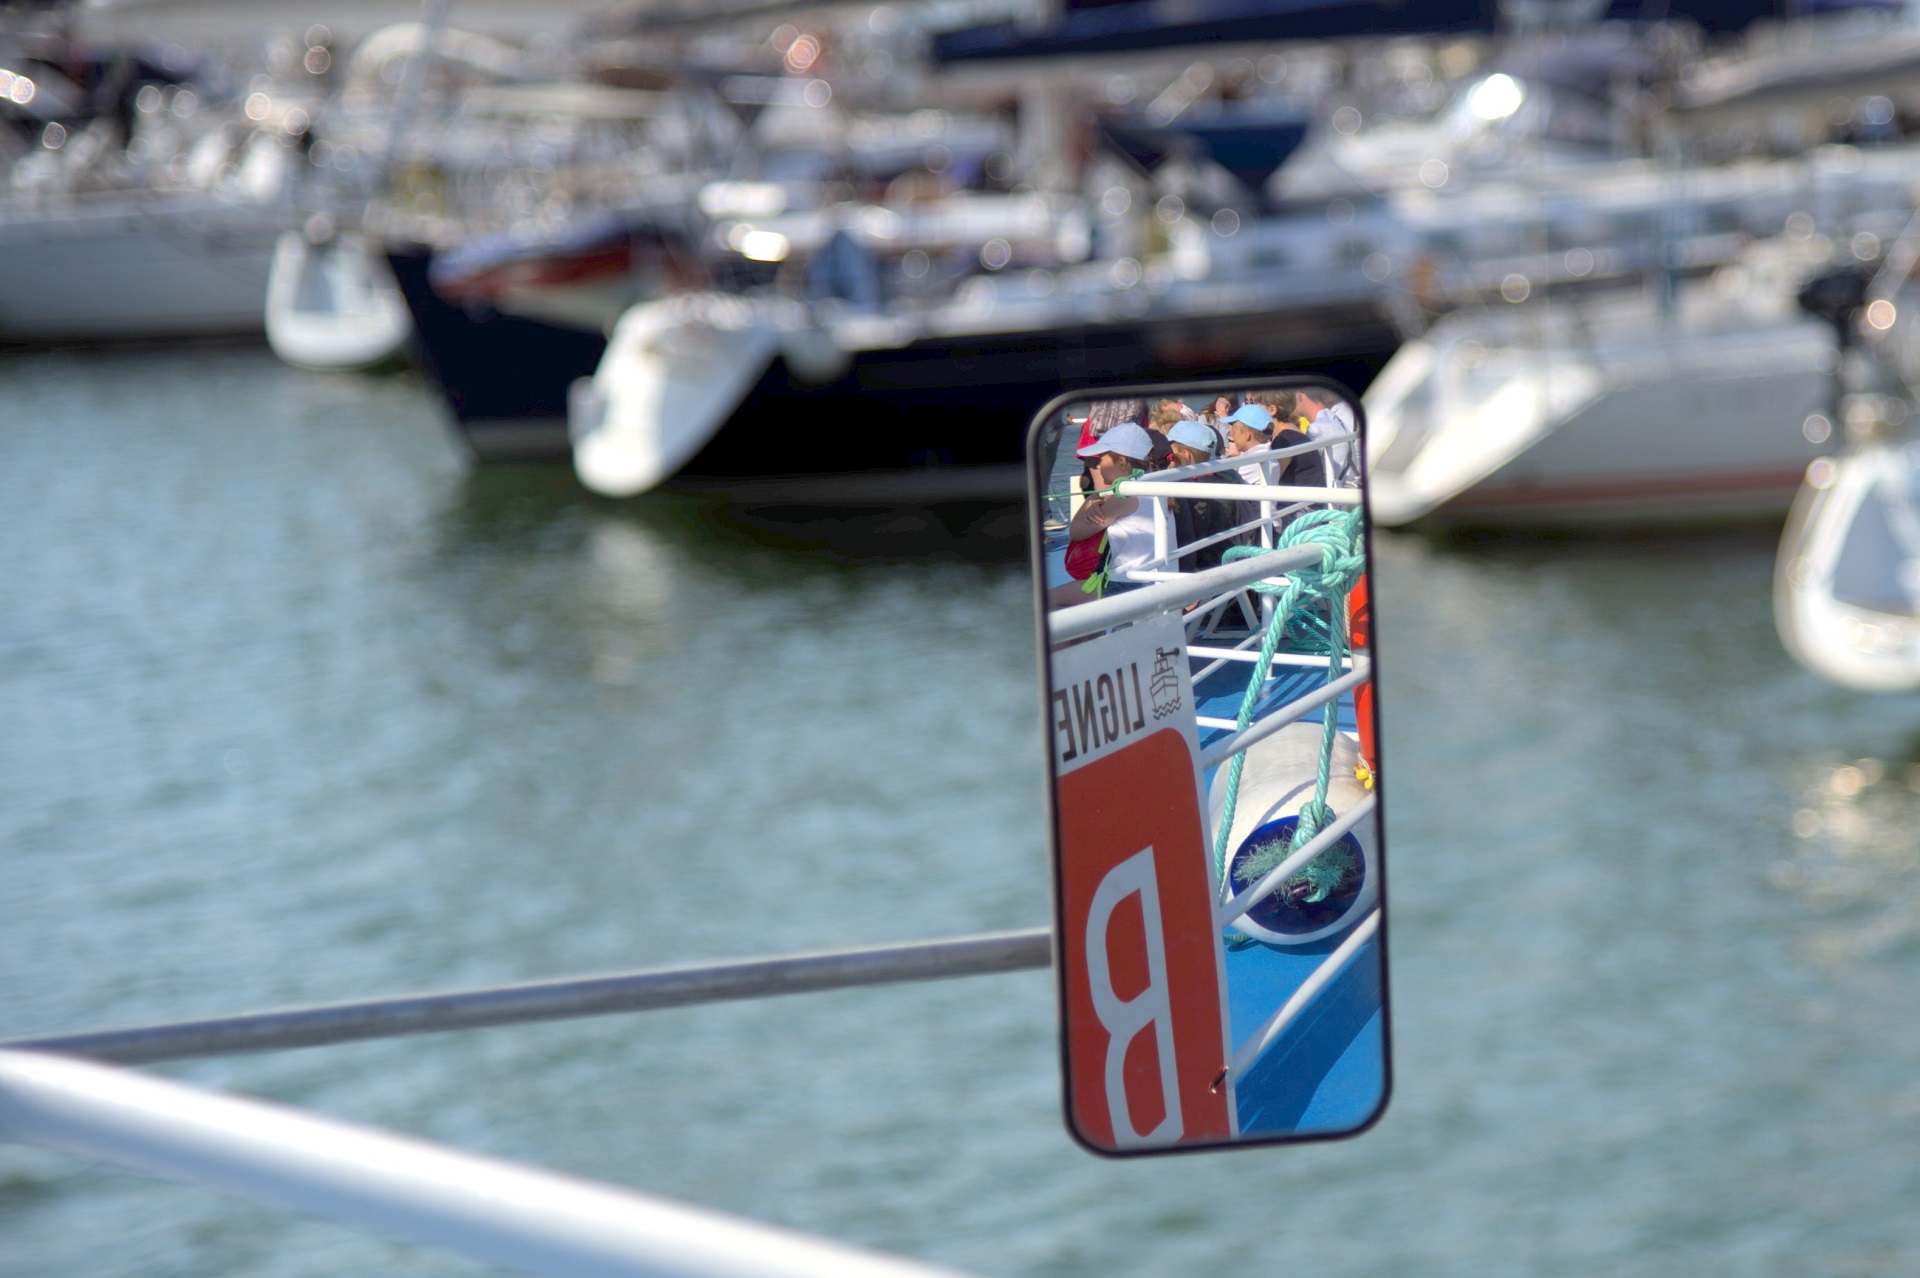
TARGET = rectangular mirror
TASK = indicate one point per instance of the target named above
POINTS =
(1201, 558)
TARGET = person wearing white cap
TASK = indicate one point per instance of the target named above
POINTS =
(1127, 522)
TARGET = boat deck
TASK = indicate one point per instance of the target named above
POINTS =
(1327, 1072)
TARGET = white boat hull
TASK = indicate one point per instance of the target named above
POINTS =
(333, 306)
(135, 269)
(1647, 425)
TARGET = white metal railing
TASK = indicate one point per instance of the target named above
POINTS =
(1278, 503)
(1262, 1038)
(1188, 587)
(1268, 724)
(1247, 651)
(494, 1211)
(1209, 591)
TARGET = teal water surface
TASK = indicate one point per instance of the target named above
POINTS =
(298, 709)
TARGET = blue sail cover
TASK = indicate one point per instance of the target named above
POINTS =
(1119, 26)
(1249, 142)
(1156, 24)
(1730, 16)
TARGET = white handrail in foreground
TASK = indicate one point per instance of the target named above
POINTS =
(494, 1211)
(1248, 653)
(1262, 1038)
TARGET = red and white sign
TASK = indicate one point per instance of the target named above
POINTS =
(1145, 995)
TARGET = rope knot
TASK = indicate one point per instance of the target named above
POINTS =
(1315, 816)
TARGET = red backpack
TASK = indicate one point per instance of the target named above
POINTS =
(1084, 556)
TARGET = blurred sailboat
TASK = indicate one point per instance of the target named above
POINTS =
(1612, 409)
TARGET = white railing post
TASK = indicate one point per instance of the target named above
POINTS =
(1161, 548)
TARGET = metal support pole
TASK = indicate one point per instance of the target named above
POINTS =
(495, 1211)
(433, 18)
(557, 1000)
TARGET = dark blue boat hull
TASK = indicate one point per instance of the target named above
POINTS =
(945, 403)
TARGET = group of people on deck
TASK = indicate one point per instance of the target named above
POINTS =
(1110, 536)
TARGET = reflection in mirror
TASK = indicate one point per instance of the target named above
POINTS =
(1210, 720)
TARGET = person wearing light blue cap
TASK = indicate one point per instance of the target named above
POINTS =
(1126, 523)
(1192, 443)
(1253, 430)
(1195, 519)
(1252, 416)
(1248, 428)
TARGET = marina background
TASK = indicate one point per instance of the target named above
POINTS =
(314, 690)
(300, 708)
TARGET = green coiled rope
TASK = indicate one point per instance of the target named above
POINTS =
(1338, 534)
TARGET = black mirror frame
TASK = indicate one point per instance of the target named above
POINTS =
(1036, 553)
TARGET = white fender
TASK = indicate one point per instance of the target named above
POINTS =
(1279, 777)
(672, 374)
(333, 306)
(813, 356)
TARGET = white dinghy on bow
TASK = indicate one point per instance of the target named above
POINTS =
(1847, 580)
(332, 304)
(674, 371)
